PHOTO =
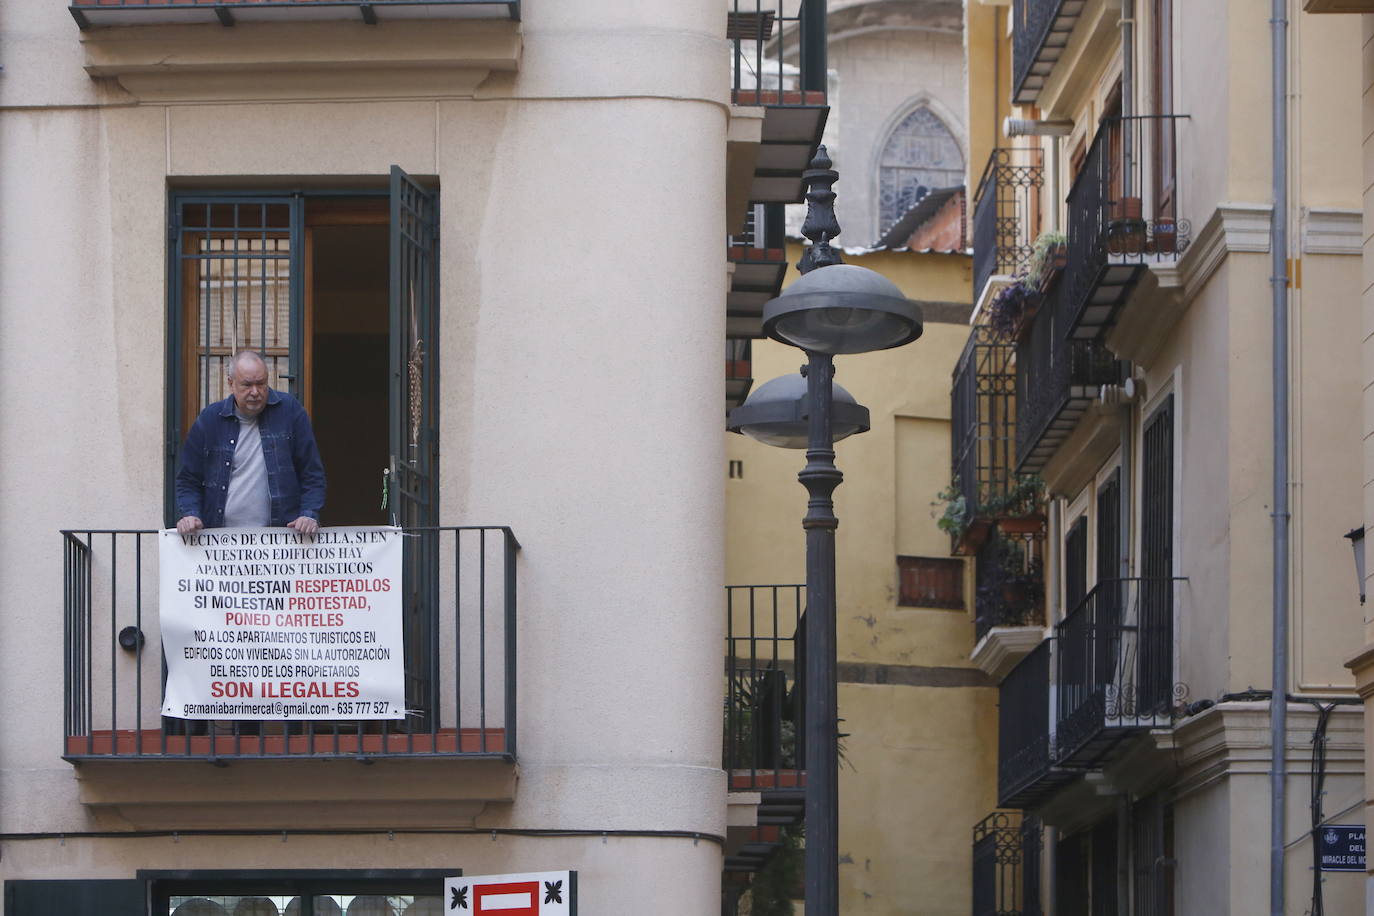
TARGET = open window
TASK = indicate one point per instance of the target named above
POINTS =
(339, 291)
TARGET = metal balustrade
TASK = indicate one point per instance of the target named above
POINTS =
(1004, 214)
(1122, 215)
(1009, 582)
(983, 418)
(1040, 32)
(779, 52)
(460, 661)
(1114, 668)
(1057, 378)
(764, 712)
(1026, 773)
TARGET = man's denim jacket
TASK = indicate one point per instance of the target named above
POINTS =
(295, 474)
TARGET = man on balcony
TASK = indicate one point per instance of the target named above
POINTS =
(250, 460)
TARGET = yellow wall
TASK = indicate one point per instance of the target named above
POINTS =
(921, 762)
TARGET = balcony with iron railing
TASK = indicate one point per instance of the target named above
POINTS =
(1004, 214)
(1009, 578)
(1006, 865)
(982, 427)
(1057, 379)
(1040, 32)
(459, 662)
(1026, 774)
(458, 628)
(757, 254)
(1115, 668)
(88, 13)
(778, 63)
(1122, 217)
(764, 714)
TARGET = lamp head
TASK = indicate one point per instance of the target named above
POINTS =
(841, 309)
(775, 413)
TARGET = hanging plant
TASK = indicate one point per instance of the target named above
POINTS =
(1010, 306)
(956, 515)
(1048, 255)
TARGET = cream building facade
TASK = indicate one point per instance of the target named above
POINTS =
(1135, 730)
(352, 187)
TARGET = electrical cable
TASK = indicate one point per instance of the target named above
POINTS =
(493, 832)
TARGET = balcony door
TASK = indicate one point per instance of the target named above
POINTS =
(339, 293)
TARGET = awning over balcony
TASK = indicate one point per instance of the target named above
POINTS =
(88, 13)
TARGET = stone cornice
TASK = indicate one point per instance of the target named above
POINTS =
(999, 651)
(1232, 739)
(1332, 231)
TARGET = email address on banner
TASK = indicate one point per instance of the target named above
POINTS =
(232, 709)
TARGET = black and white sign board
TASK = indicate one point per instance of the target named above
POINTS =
(1342, 848)
(540, 893)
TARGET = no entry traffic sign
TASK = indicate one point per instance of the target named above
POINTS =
(545, 893)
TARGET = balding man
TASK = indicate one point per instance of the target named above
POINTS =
(250, 460)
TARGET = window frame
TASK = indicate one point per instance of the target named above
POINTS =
(162, 885)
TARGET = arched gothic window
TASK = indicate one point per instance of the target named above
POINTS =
(920, 152)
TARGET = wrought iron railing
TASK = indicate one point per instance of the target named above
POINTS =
(1010, 582)
(764, 653)
(983, 418)
(765, 35)
(1004, 214)
(1032, 21)
(998, 861)
(1115, 666)
(1053, 370)
(225, 9)
(1024, 745)
(1122, 208)
(459, 661)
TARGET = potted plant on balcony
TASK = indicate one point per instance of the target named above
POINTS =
(1011, 584)
(1126, 228)
(1017, 510)
(1165, 240)
(1012, 308)
(1048, 257)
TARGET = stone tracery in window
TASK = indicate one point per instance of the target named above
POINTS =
(919, 152)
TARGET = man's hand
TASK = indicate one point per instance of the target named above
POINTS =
(189, 524)
(304, 525)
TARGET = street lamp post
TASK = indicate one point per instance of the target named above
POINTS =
(842, 309)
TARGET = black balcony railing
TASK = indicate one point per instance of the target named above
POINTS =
(1057, 378)
(89, 13)
(1025, 744)
(983, 419)
(766, 35)
(1122, 215)
(1010, 582)
(459, 662)
(1115, 667)
(1040, 30)
(1006, 865)
(998, 864)
(764, 653)
(1004, 214)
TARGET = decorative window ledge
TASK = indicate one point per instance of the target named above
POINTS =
(162, 63)
(999, 651)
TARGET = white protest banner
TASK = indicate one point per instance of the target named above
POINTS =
(543, 893)
(265, 623)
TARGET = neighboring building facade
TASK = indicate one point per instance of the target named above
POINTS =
(350, 188)
(1133, 377)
